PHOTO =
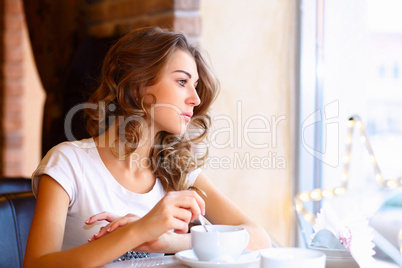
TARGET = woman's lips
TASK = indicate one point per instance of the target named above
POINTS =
(187, 116)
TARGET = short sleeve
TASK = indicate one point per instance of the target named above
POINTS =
(192, 176)
(63, 165)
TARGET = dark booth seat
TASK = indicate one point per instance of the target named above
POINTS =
(12, 185)
(16, 212)
(17, 205)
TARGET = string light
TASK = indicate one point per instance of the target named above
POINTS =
(340, 191)
(304, 197)
(327, 193)
(391, 184)
(318, 194)
(372, 159)
(308, 217)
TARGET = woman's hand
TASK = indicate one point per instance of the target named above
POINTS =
(174, 212)
(163, 244)
(115, 221)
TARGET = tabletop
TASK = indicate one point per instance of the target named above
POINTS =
(162, 261)
(171, 261)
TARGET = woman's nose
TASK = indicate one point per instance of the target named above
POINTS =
(194, 99)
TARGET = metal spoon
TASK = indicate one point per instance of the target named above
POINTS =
(201, 218)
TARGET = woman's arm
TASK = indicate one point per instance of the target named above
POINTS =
(169, 242)
(174, 211)
(221, 210)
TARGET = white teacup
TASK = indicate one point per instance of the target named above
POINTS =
(292, 258)
(221, 243)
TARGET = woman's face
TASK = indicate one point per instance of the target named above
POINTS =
(176, 95)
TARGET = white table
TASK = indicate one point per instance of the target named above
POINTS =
(164, 261)
(171, 261)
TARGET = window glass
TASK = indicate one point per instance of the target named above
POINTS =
(351, 67)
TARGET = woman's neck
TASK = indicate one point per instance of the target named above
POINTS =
(138, 159)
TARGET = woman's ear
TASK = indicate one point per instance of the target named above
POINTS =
(137, 94)
(141, 92)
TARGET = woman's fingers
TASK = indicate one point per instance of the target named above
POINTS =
(103, 230)
(190, 200)
(185, 206)
(107, 216)
(181, 219)
(114, 225)
(174, 211)
(180, 227)
(200, 202)
(122, 221)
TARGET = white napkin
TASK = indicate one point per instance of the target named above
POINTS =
(352, 231)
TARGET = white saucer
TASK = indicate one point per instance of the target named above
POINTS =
(337, 258)
(188, 258)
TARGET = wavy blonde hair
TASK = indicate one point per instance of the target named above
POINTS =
(136, 61)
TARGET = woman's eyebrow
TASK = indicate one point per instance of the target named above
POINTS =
(182, 71)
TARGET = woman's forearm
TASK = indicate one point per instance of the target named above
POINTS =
(259, 238)
(169, 242)
(92, 254)
(178, 242)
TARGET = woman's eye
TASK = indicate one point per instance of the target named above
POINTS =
(182, 82)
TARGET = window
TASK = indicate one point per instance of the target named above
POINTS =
(350, 65)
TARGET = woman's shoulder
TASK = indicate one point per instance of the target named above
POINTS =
(73, 147)
(70, 152)
(65, 163)
(192, 176)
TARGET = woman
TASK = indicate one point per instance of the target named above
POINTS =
(139, 163)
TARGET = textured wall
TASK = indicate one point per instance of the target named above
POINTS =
(111, 17)
(12, 88)
(252, 48)
(21, 94)
(34, 99)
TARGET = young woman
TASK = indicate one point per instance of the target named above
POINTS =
(138, 167)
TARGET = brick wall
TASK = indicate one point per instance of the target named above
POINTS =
(115, 17)
(106, 18)
(11, 88)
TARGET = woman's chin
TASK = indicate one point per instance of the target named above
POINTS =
(179, 131)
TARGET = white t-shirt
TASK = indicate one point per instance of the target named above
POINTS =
(79, 169)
